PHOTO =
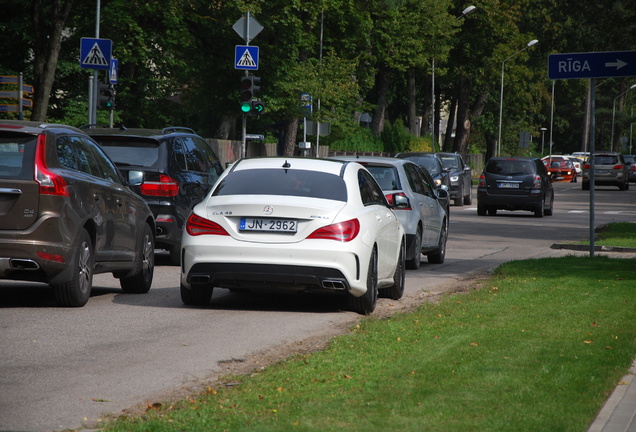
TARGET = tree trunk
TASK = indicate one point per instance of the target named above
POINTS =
(46, 49)
(224, 131)
(448, 138)
(413, 121)
(426, 109)
(377, 126)
(291, 132)
(463, 117)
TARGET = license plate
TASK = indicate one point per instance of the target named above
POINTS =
(509, 185)
(600, 171)
(272, 225)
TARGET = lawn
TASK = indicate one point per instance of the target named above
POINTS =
(538, 346)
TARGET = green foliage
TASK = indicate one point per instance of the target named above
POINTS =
(397, 138)
(359, 139)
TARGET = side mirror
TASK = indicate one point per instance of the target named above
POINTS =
(442, 193)
(400, 201)
(136, 178)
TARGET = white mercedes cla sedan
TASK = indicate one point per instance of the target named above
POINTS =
(294, 224)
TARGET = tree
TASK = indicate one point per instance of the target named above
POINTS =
(48, 24)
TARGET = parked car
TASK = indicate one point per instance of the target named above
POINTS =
(179, 168)
(561, 168)
(66, 213)
(610, 169)
(515, 184)
(295, 224)
(630, 160)
(460, 176)
(432, 164)
(421, 212)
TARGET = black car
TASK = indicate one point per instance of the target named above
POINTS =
(461, 178)
(432, 164)
(66, 213)
(515, 184)
(179, 168)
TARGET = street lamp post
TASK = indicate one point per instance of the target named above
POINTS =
(542, 137)
(614, 113)
(503, 63)
(467, 11)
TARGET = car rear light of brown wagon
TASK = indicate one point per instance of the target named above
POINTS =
(50, 183)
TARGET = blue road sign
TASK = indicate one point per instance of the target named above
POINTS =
(246, 57)
(592, 65)
(95, 53)
(113, 71)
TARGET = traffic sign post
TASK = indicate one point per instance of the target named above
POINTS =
(95, 53)
(592, 65)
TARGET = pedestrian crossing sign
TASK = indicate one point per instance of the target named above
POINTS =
(95, 53)
(246, 57)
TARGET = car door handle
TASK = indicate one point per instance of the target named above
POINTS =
(96, 197)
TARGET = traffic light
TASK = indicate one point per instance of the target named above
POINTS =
(249, 88)
(106, 96)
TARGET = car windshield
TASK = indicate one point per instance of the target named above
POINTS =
(430, 164)
(450, 162)
(509, 167)
(629, 159)
(16, 156)
(143, 154)
(280, 181)
(387, 177)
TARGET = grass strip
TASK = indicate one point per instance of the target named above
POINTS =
(622, 234)
(539, 346)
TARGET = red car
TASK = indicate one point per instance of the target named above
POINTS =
(560, 168)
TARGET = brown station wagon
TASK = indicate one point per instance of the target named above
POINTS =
(66, 213)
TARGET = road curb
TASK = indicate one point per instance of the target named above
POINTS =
(585, 248)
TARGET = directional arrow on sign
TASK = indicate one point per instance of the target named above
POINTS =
(618, 64)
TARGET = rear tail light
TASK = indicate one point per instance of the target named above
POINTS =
(586, 166)
(482, 181)
(343, 231)
(618, 167)
(196, 226)
(50, 183)
(165, 187)
(537, 182)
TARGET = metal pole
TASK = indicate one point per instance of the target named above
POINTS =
(93, 117)
(592, 177)
(551, 116)
(91, 99)
(20, 108)
(433, 135)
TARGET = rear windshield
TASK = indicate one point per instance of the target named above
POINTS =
(279, 181)
(509, 167)
(606, 160)
(142, 154)
(387, 177)
(17, 156)
(431, 165)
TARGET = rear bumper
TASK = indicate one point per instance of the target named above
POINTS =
(508, 202)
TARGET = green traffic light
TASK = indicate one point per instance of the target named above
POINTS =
(246, 107)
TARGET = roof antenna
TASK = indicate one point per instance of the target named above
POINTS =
(286, 165)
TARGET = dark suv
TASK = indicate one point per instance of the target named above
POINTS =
(66, 213)
(515, 184)
(461, 178)
(179, 169)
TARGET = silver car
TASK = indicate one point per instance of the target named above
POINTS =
(610, 169)
(422, 212)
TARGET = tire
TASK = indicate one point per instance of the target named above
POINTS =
(538, 211)
(175, 255)
(414, 262)
(550, 211)
(492, 211)
(196, 295)
(439, 255)
(365, 304)
(396, 291)
(459, 201)
(141, 280)
(77, 291)
(481, 210)
(468, 199)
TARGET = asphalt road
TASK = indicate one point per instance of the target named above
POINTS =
(65, 368)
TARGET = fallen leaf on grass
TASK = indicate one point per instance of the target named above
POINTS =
(587, 341)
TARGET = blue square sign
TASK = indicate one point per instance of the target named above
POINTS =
(246, 57)
(95, 53)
